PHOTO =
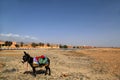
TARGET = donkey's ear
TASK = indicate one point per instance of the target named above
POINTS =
(25, 53)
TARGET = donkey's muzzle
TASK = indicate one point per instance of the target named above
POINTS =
(22, 62)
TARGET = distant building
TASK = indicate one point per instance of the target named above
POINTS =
(54, 46)
(69, 46)
(2, 43)
(13, 45)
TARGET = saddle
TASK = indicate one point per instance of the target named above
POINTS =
(39, 60)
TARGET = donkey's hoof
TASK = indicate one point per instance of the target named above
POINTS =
(45, 74)
(34, 75)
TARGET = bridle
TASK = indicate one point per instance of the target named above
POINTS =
(26, 60)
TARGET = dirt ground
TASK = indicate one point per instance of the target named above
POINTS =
(85, 64)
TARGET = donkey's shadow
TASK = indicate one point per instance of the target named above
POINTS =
(37, 72)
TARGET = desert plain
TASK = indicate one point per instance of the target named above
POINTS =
(66, 64)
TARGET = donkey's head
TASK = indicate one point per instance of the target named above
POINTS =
(26, 57)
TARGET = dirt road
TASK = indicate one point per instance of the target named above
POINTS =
(65, 65)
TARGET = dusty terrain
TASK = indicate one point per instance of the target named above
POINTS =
(86, 64)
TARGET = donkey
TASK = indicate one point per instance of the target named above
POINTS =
(29, 59)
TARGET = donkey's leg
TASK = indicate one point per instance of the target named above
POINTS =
(46, 67)
(49, 71)
(34, 71)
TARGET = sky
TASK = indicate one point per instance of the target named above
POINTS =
(71, 22)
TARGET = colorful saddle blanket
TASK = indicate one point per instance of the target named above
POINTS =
(39, 60)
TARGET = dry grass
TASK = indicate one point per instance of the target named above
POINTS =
(88, 64)
(106, 61)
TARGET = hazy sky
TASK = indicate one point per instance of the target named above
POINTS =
(73, 22)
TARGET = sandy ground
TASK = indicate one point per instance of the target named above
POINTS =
(87, 64)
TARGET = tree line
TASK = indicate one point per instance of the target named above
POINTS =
(7, 43)
(33, 44)
(21, 44)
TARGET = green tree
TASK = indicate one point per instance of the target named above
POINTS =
(48, 44)
(60, 46)
(74, 47)
(34, 44)
(21, 44)
(65, 46)
(77, 46)
(17, 46)
(8, 43)
(41, 44)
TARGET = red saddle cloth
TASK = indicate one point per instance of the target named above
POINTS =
(42, 56)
